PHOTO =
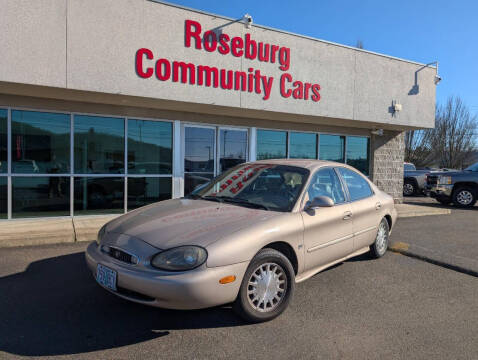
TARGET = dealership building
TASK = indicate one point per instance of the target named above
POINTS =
(109, 105)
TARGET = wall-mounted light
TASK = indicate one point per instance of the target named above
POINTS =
(247, 19)
(378, 132)
(397, 107)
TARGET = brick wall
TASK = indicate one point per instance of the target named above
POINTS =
(387, 163)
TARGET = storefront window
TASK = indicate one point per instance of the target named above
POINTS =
(40, 142)
(3, 141)
(40, 196)
(99, 195)
(99, 145)
(303, 146)
(150, 147)
(271, 144)
(358, 153)
(3, 197)
(232, 148)
(146, 190)
(332, 148)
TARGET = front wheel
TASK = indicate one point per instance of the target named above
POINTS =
(464, 197)
(379, 247)
(409, 188)
(266, 288)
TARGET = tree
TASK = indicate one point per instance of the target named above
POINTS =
(450, 143)
(455, 129)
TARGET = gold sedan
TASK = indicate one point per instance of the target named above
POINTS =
(245, 238)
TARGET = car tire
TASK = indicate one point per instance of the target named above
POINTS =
(275, 278)
(464, 196)
(380, 245)
(409, 188)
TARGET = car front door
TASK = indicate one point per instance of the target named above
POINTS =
(365, 207)
(328, 232)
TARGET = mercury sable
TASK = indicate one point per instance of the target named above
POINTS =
(245, 238)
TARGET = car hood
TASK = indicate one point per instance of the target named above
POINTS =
(179, 222)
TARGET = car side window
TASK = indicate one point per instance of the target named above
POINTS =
(326, 183)
(358, 187)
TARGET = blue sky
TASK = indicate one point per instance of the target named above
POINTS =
(423, 31)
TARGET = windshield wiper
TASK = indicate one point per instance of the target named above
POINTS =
(244, 202)
(207, 197)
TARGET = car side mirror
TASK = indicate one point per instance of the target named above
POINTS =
(318, 202)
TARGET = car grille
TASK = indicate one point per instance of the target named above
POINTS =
(120, 255)
(432, 180)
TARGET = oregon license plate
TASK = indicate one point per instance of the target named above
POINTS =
(106, 277)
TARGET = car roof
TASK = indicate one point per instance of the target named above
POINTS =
(305, 163)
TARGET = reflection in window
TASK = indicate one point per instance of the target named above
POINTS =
(40, 142)
(3, 197)
(194, 182)
(199, 149)
(302, 146)
(99, 195)
(3, 141)
(40, 196)
(271, 144)
(146, 190)
(99, 145)
(149, 147)
(232, 148)
(358, 153)
(331, 147)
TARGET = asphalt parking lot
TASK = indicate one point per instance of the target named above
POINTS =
(395, 307)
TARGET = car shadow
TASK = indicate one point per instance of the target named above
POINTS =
(55, 307)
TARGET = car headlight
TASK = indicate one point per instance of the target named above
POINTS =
(180, 258)
(101, 233)
(444, 180)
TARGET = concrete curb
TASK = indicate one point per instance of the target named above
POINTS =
(409, 210)
(51, 231)
(449, 261)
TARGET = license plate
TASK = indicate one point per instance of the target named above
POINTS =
(106, 277)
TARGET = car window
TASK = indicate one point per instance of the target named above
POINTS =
(409, 167)
(326, 183)
(358, 187)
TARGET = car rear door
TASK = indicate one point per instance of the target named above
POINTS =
(327, 230)
(365, 207)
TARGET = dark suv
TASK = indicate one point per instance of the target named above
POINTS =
(457, 187)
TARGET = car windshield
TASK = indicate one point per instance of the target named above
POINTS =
(263, 186)
(473, 167)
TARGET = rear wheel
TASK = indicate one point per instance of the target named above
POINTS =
(379, 247)
(409, 188)
(464, 197)
(266, 288)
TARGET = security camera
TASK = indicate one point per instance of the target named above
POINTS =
(248, 21)
(437, 79)
(378, 132)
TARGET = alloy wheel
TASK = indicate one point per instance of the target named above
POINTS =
(382, 238)
(464, 197)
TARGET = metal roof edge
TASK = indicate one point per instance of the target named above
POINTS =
(293, 34)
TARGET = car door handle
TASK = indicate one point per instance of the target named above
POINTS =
(347, 215)
(378, 206)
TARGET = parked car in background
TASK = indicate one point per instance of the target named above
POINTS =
(457, 187)
(245, 238)
(414, 181)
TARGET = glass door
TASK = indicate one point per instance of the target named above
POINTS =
(232, 148)
(199, 156)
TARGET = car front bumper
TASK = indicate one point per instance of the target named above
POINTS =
(441, 191)
(194, 289)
